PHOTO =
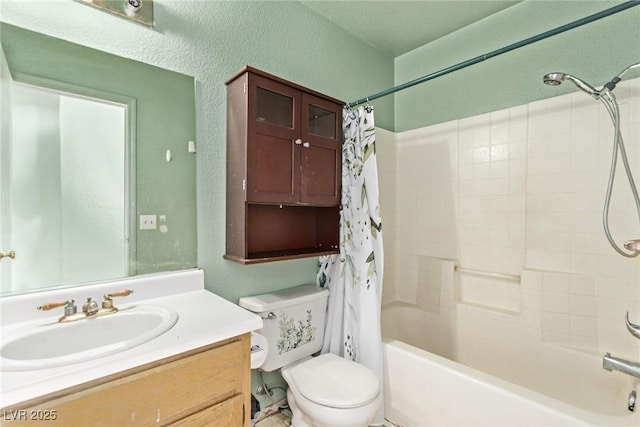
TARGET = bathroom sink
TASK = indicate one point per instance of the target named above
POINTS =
(45, 345)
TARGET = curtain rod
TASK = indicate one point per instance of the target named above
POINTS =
(603, 14)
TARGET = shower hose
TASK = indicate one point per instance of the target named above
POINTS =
(609, 101)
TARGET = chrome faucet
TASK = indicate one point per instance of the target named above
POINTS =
(611, 363)
(90, 309)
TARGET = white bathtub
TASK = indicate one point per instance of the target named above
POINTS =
(425, 389)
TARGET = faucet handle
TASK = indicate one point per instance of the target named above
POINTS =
(123, 293)
(69, 308)
(52, 305)
(107, 302)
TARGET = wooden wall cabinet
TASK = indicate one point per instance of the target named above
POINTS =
(284, 169)
(208, 387)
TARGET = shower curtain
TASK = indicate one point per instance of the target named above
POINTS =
(354, 277)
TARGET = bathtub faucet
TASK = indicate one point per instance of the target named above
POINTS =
(611, 363)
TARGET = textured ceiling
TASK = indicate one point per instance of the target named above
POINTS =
(398, 26)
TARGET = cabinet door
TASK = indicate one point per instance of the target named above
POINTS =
(273, 157)
(229, 413)
(321, 154)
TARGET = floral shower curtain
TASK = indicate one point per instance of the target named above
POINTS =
(354, 277)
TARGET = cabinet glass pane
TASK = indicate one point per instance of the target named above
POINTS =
(322, 122)
(274, 108)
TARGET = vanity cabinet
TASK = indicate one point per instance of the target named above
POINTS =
(208, 387)
(284, 169)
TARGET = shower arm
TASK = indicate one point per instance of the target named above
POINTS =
(606, 89)
(614, 81)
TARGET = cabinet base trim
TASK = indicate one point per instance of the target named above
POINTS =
(261, 257)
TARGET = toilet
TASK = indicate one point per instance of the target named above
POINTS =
(325, 390)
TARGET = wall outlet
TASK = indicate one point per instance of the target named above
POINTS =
(148, 222)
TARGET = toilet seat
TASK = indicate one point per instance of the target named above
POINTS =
(333, 381)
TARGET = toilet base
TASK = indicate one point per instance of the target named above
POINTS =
(298, 419)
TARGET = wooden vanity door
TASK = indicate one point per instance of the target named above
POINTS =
(229, 413)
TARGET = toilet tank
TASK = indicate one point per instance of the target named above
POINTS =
(293, 322)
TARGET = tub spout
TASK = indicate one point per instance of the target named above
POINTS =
(611, 363)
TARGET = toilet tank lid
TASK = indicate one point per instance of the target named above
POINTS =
(283, 298)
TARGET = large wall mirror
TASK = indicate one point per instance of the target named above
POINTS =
(90, 142)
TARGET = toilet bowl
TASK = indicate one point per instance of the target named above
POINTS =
(326, 390)
(330, 391)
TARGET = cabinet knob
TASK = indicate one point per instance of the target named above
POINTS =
(10, 254)
(298, 141)
(306, 145)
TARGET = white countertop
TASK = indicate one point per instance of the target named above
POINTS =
(204, 318)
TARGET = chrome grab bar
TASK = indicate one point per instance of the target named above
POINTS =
(490, 274)
(634, 329)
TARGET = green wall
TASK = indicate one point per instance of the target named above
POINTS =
(595, 52)
(210, 41)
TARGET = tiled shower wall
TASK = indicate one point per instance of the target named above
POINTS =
(518, 194)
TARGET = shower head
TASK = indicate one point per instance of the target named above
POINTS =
(554, 79)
